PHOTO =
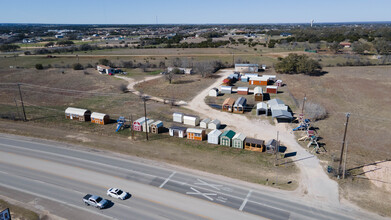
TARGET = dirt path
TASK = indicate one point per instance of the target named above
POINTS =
(132, 82)
(314, 183)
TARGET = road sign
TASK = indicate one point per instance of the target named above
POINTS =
(5, 214)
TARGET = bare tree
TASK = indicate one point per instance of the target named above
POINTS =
(172, 74)
(177, 62)
(204, 68)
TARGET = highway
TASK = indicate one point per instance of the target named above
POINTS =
(59, 175)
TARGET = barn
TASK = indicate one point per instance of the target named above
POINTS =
(214, 137)
(262, 108)
(240, 105)
(226, 89)
(191, 120)
(156, 127)
(214, 92)
(147, 125)
(176, 131)
(137, 125)
(260, 81)
(214, 124)
(228, 104)
(226, 138)
(196, 134)
(272, 89)
(204, 123)
(258, 93)
(238, 140)
(177, 117)
(254, 144)
(242, 90)
(78, 114)
(242, 68)
(100, 118)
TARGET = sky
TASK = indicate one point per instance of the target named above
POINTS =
(192, 12)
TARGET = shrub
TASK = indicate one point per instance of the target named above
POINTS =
(39, 66)
(27, 53)
(77, 66)
(123, 88)
(315, 111)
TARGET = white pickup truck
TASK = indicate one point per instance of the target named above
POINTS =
(95, 201)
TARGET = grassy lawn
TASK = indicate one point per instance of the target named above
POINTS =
(18, 212)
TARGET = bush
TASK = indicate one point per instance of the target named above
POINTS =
(315, 111)
(123, 88)
(39, 66)
(77, 66)
(8, 47)
(27, 53)
(105, 62)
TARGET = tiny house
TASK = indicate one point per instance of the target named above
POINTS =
(240, 105)
(254, 144)
(214, 92)
(137, 125)
(228, 104)
(258, 93)
(191, 120)
(214, 124)
(177, 117)
(214, 136)
(100, 118)
(176, 131)
(78, 114)
(156, 127)
(226, 138)
(271, 89)
(196, 134)
(226, 89)
(204, 123)
(242, 90)
(238, 140)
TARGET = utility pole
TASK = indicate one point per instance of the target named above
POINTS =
(344, 162)
(302, 107)
(145, 116)
(343, 143)
(277, 149)
(21, 100)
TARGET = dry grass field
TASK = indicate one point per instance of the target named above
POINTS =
(365, 93)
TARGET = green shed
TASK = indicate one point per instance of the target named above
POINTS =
(226, 138)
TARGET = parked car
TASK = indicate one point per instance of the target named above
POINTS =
(117, 193)
(95, 201)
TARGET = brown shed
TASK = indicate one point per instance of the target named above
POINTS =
(271, 89)
(228, 105)
(100, 118)
(78, 114)
(242, 90)
(258, 93)
(254, 144)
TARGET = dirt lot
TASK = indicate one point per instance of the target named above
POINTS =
(364, 92)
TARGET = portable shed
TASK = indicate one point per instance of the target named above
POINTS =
(137, 125)
(228, 104)
(242, 90)
(227, 81)
(191, 120)
(196, 134)
(147, 125)
(156, 127)
(214, 124)
(262, 108)
(272, 146)
(240, 105)
(271, 89)
(261, 81)
(214, 137)
(281, 115)
(270, 77)
(177, 117)
(176, 131)
(258, 93)
(249, 75)
(254, 144)
(279, 83)
(274, 102)
(204, 123)
(226, 138)
(233, 77)
(253, 68)
(100, 118)
(237, 140)
(78, 114)
(214, 92)
(226, 89)
(264, 66)
(244, 78)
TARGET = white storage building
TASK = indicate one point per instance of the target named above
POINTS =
(226, 89)
(147, 125)
(214, 92)
(214, 124)
(177, 117)
(214, 136)
(262, 108)
(204, 123)
(191, 120)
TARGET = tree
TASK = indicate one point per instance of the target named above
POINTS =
(49, 44)
(39, 66)
(335, 47)
(8, 47)
(177, 62)
(295, 63)
(204, 68)
(172, 74)
(77, 66)
(105, 62)
(360, 47)
(382, 46)
(65, 42)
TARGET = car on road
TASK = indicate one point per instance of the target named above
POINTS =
(95, 201)
(117, 193)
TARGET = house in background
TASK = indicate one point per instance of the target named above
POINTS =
(238, 140)
(176, 131)
(226, 138)
(105, 69)
(78, 114)
(228, 105)
(196, 134)
(214, 137)
(100, 118)
(182, 70)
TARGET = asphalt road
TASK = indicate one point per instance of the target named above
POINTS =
(64, 174)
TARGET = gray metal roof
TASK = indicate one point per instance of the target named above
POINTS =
(282, 114)
(245, 65)
(178, 128)
(254, 141)
(275, 102)
(241, 101)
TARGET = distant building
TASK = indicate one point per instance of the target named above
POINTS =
(246, 68)
(182, 70)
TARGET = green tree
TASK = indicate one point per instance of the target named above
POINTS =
(39, 66)
(105, 62)
(49, 44)
(335, 47)
(382, 46)
(8, 47)
(360, 47)
(295, 63)
(77, 66)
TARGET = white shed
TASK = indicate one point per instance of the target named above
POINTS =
(271, 77)
(214, 136)
(214, 124)
(177, 131)
(147, 125)
(204, 123)
(177, 117)
(237, 140)
(262, 108)
(191, 120)
(226, 89)
(214, 92)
